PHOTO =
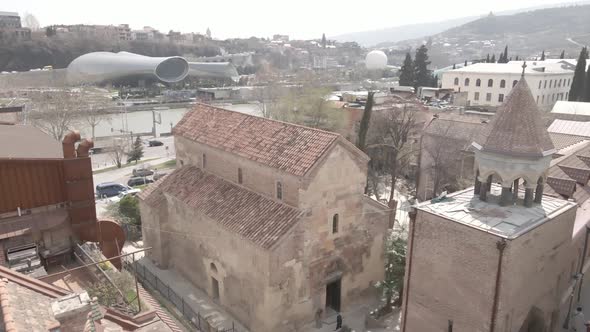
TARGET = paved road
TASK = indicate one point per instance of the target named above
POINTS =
(103, 160)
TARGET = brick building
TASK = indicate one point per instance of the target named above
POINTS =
(272, 216)
(502, 255)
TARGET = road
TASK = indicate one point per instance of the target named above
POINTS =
(103, 160)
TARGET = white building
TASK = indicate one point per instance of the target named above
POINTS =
(488, 84)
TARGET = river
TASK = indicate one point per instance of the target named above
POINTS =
(141, 121)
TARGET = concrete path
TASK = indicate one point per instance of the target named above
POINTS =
(354, 317)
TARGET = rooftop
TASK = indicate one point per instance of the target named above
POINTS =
(509, 222)
(513, 68)
(571, 108)
(246, 213)
(567, 127)
(23, 141)
(291, 148)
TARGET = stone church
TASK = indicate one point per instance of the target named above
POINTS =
(500, 256)
(269, 218)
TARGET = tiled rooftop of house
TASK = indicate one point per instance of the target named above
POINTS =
(287, 147)
(30, 310)
(252, 216)
(576, 128)
(505, 221)
(569, 174)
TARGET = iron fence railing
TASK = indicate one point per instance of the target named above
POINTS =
(147, 278)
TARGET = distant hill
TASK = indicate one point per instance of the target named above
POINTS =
(526, 34)
(403, 32)
(389, 36)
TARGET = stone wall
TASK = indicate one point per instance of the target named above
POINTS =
(256, 177)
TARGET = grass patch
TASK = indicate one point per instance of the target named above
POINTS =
(125, 165)
(166, 164)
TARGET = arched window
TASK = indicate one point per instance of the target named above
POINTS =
(213, 267)
(456, 80)
(559, 83)
(478, 82)
(239, 175)
(279, 190)
(540, 84)
(514, 83)
(503, 83)
(335, 224)
(467, 82)
(204, 160)
(490, 83)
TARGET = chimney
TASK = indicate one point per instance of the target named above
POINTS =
(71, 311)
(68, 144)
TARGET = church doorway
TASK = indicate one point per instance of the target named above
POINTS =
(333, 295)
(215, 288)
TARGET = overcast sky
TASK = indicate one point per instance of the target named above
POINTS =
(261, 18)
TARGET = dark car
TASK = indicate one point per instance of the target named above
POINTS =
(155, 143)
(110, 189)
(142, 172)
(138, 181)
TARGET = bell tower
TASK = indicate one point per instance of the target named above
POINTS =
(514, 149)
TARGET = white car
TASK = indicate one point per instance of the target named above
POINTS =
(132, 192)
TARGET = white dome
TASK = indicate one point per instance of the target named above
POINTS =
(376, 60)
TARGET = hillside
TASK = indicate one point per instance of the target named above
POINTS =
(526, 34)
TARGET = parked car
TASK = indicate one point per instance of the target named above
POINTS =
(158, 176)
(96, 150)
(138, 181)
(155, 143)
(142, 171)
(130, 192)
(110, 189)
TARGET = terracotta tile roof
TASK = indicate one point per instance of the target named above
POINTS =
(248, 214)
(569, 175)
(287, 147)
(561, 141)
(30, 310)
(517, 128)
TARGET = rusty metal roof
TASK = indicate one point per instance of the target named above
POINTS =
(250, 215)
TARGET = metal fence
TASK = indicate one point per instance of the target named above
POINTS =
(152, 281)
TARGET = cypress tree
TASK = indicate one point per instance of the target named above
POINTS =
(406, 76)
(454, 66)
(465, 63)
(493, 59)
(488, 58)
(422, 76)
(136, 152)
(506, 54)
(562, 56)
(543, 56)
(516, 58)
(577, 88)
(587, 87)
(324, 40)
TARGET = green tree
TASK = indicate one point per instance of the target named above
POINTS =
(136, 152)
(587, 87)
(562, 55)
(454, 67)
(324, 40)
(465, 63)
(577, 88)
(395, 269)
(488, 58)
(504, 56)
(422, 75)
(129, 210)
(543, 56)
(365, 120)
(493, 59)
(406, 76)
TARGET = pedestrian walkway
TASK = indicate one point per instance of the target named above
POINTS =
(196, 299)
(354, 318)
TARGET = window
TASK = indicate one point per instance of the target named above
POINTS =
(566, 95)
(545, 85)
(514, 83)
(559, 83)
(503, 83)
(279, 190)
(490, 83)
(543, 100)
(488, 97)
(204, 160)
(467, 82)
(501, 97)
(239, 175)
(540, 82)
(537, 100)
(478, 82)
(553, 97)
(456, 80)
(335, 224)
(569, 82)
(476, 96)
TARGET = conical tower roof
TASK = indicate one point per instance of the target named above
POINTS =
(517, 128)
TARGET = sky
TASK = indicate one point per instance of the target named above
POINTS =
(302, 19)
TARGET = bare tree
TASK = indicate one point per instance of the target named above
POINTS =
(94, 112)
(55, 112)
(390, 131)
(118, 152)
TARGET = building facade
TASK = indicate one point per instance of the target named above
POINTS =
(488, 84)
(505, 256)
(11, 28)
(273, 216)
